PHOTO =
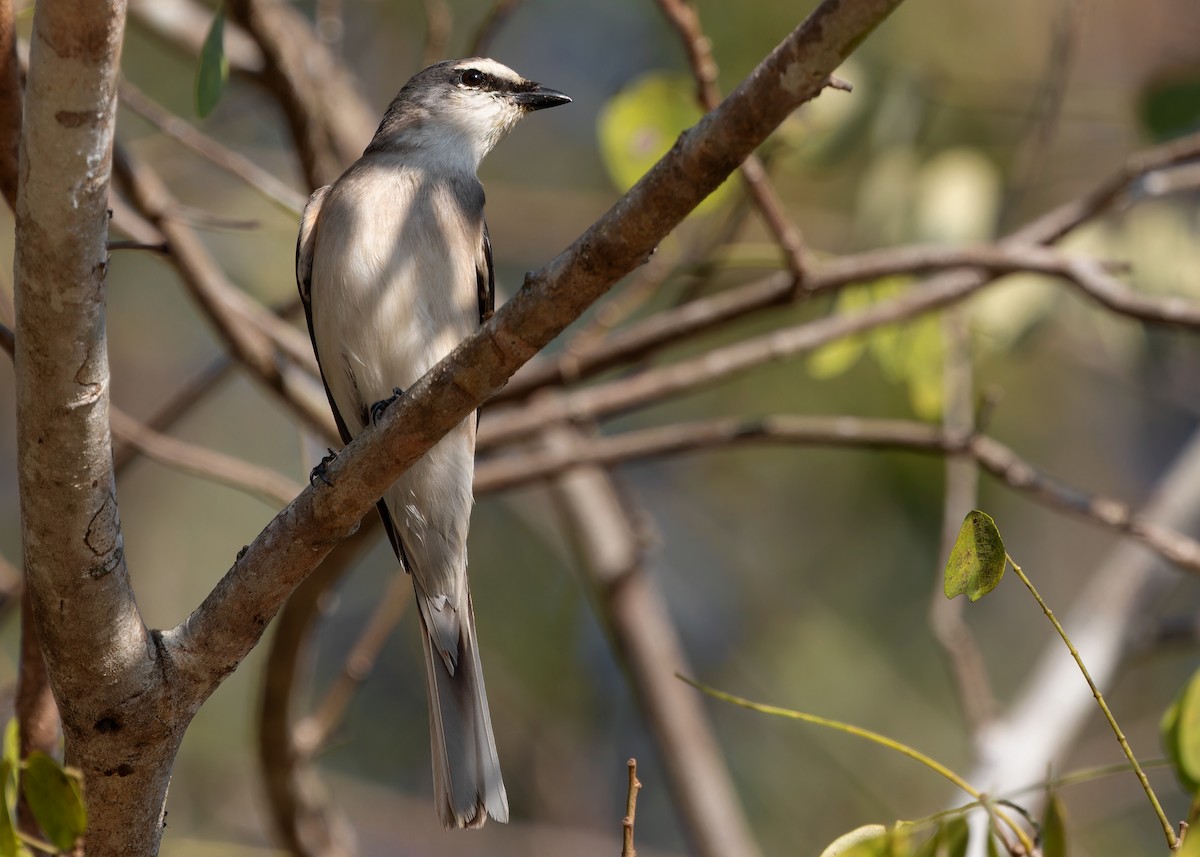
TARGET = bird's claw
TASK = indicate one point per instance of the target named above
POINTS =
(318, 472)
(382, 405)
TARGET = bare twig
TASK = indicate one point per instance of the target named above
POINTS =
(635, 786)
(997, 459)
(312, 733)
(268, 485)
(306, 819)
(683, 16)
(157, 247)
(10, 103)
(1056, 223)
(653, 385)
(702, 315)
(646, 640)
(188, 395)
(496, 17)
(329, 119)
(211, 150)
(185, 398)
(184, 24)
(254, 335)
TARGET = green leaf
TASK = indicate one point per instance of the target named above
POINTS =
(956, 836)
(10, 762)
(213, 71)
(1170, 108)
(640, 124)
(12, 742)
(869, 835)
(55, 797)
(835, 358)
(1180, 731)
(993, 850)
(1054, 828)
(977, 561)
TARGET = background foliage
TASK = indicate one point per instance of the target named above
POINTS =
(797, 576)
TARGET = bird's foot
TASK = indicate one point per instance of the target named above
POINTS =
(382, 405)
(318, 472)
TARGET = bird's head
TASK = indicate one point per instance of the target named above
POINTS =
(460, 109)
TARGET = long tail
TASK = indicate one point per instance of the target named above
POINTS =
(466, 770)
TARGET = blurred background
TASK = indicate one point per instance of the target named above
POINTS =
(801, 577)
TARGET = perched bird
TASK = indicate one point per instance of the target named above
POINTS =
(395, 269)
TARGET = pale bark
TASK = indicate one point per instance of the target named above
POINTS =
(103, 664)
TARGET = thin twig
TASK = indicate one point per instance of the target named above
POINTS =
(1000, 461)
(330, 121)
(215, 152)
(1168, 830)
(1049, 710)
(190, 393)
(157, 247)
(682, 15)
(631, 795)
(653, 385)
(11, 99)
(184, 23)
(187, 396)
(312, 733)
(268, 485)
(257, 337)
(307, 819)
(699, 316)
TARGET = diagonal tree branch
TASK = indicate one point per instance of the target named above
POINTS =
(652, 385)
(685, 19)
(699, 316)
(330, 121)
(512, 471)
(277, 354)
(229, 622)
(10, 103)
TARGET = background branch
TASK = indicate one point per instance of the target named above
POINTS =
(633, 609)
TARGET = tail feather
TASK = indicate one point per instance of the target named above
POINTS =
(466, 770)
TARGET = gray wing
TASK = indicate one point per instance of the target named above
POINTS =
(485, 279)
(306, 243)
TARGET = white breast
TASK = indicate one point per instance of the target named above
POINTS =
(393, 279)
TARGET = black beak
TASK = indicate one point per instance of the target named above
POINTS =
(539, 97)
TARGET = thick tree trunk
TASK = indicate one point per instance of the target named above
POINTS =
(103, 664)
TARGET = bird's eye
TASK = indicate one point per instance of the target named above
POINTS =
(472, 77)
